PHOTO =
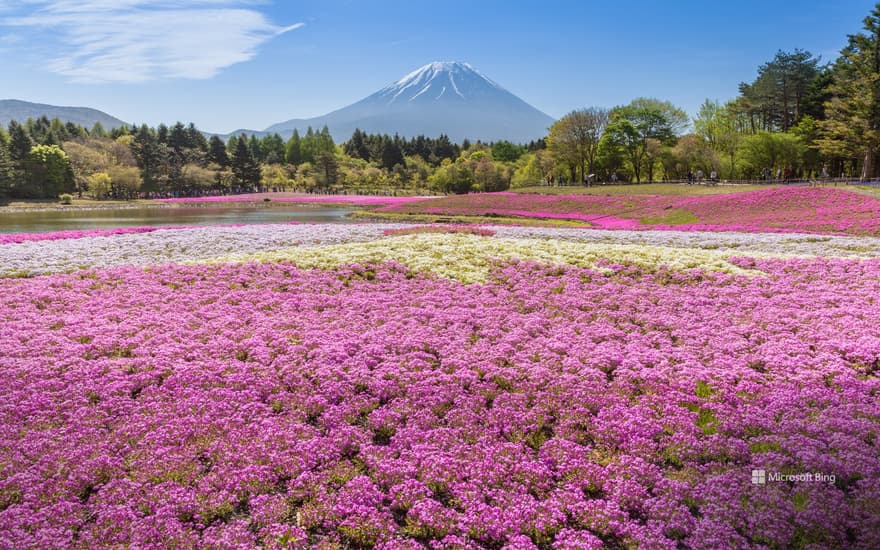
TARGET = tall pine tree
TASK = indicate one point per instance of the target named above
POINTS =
(7, 167)
(294, 149)
(20, 143)
(852, 127)
(244, 167)
(217, 152)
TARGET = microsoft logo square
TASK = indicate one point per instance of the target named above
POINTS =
(759, 477)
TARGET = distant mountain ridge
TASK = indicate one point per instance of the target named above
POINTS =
(451, 98)
(14, 109)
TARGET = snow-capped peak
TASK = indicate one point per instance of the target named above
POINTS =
(444, 97)
(440, 80)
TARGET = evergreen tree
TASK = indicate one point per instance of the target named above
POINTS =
(309, 146)
(357, 147)
(391, 153)
(776, 99)
(273, 149)
(245, 169)
(57, 132)
(120, 131)
(325, 141)
(8, 173)
(20, 143)
(852, 128)
(38, 129)
(293, 153)
(162, 133)
(148, 154)
(329, 166)
(98, 131)
(536, 145)
(178, 153)
(256, 149)
(420, 147)
(177, 138)
(217, 152)
(74, 131)
(444, 149)
(195, 139)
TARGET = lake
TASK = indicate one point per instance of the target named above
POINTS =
(37, 221)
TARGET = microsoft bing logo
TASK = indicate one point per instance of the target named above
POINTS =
(759, 477)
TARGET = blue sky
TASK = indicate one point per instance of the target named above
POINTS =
(228, 64)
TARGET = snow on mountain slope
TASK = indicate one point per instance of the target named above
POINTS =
(433, 81)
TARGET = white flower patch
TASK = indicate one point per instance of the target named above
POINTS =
(780, 244)
(173, 246)
(468, 258)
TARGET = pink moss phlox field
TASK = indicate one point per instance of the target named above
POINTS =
(575, 207)
(11, 238)
(362, 200)
(261, 405)
(799, 209)
(784, 209)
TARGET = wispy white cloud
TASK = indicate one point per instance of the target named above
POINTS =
(141, 40)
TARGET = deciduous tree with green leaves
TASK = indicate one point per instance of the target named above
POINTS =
(632, 126)
(772, 150)
(50, 171)
(574, 140)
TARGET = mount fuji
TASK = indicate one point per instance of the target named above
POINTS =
(449, 98)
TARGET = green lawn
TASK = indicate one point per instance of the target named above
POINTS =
(643, 189)
(677, 216)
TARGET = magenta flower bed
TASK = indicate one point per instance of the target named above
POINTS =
(262, 405)
(589, 208)
(362, 200)
(805, 209)
(784, 209)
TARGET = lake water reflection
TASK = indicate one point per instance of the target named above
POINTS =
(210, 214)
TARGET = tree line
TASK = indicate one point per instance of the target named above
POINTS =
(44, 158)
